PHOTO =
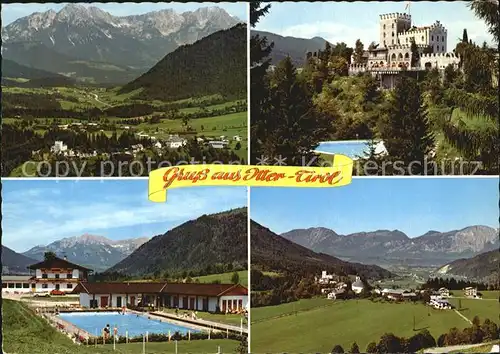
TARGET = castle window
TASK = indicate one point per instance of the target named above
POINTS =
(384, 26)
(400, 56)
(422, 38)
(393, 25)
(437, 38)
(442, 48)
(393, 34)
(407, 56)
(393, 41)
(384, 34)
(384, 43)
(442, 38)
(393, 56)
(406, 39)
(432, 38)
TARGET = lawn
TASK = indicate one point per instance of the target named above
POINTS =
(318, 329)
(483, 308)
(224, 278)
(26, 333)
(231, 319)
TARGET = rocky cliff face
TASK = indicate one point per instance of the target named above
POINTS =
(89, 33)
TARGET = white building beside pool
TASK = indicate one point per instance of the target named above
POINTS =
(187, 296)
(57, 274)
(20, 284)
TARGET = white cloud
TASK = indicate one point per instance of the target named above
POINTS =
(44, 219)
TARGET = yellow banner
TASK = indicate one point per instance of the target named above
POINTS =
(337, 175)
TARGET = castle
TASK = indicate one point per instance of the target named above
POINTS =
(393, 53)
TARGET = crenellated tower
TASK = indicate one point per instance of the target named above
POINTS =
(391, 25)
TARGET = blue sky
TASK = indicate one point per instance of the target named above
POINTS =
(43, 211)
(412, 205)
(11, 12)
(346, 22)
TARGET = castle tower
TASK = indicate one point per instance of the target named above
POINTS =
(391, 25)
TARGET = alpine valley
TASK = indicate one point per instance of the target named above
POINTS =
(82, 85)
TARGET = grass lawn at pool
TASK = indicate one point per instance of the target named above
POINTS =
(230, 319)
(225, 278)
(344, 322)
(26, 333)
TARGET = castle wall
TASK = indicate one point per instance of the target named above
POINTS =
(391, 25)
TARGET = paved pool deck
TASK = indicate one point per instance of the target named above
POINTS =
(203, 323)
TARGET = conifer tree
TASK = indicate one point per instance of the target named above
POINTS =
(406, 130)
(259, 92)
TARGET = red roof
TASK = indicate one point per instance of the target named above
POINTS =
(200, 289)
(56, 263)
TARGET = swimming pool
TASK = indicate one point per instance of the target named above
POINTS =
(351, 148)
(94, 322)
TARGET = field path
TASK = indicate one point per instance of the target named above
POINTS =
(96, 97)
(453, 348)
(465, 318)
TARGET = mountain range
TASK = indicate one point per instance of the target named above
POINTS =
(15, 263)
(88, 42)
(96, 252)
(197, 244)
(271, 252)
(295, 48)
(385, 247)
(483, 267)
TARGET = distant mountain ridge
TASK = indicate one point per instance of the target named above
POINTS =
(197, 244)
(138, 41)
(483, 267)
(296, 48)
(95, 252)
(213, 65)
(15, 263)
(386, 246)
(271, 252)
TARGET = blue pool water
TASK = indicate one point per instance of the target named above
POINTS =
(351, 148)
(135, 325)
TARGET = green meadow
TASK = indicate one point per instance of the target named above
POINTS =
(316, 325)
(224, 278)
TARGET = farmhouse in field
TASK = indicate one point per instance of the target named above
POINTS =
(174, 142)
(444, 292)
(440, 304)
(188, 296)
(471, 292)
(58, 147)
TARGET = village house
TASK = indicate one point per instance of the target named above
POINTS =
(326, 278)
(470, 292)
(58, 147)
(218, 144)
(174, 142)
(237, 138)
(188, 296)
(440, 304)
(57, 274)
(444, 292)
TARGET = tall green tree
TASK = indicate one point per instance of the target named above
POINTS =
(235, 279)
(294, 127)
(259, 90)
(358, 52)
(406, 130)
(338, 349)
(465, 37)
(488, 10)
(415, 55)
(47, 256)
(354, 348)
